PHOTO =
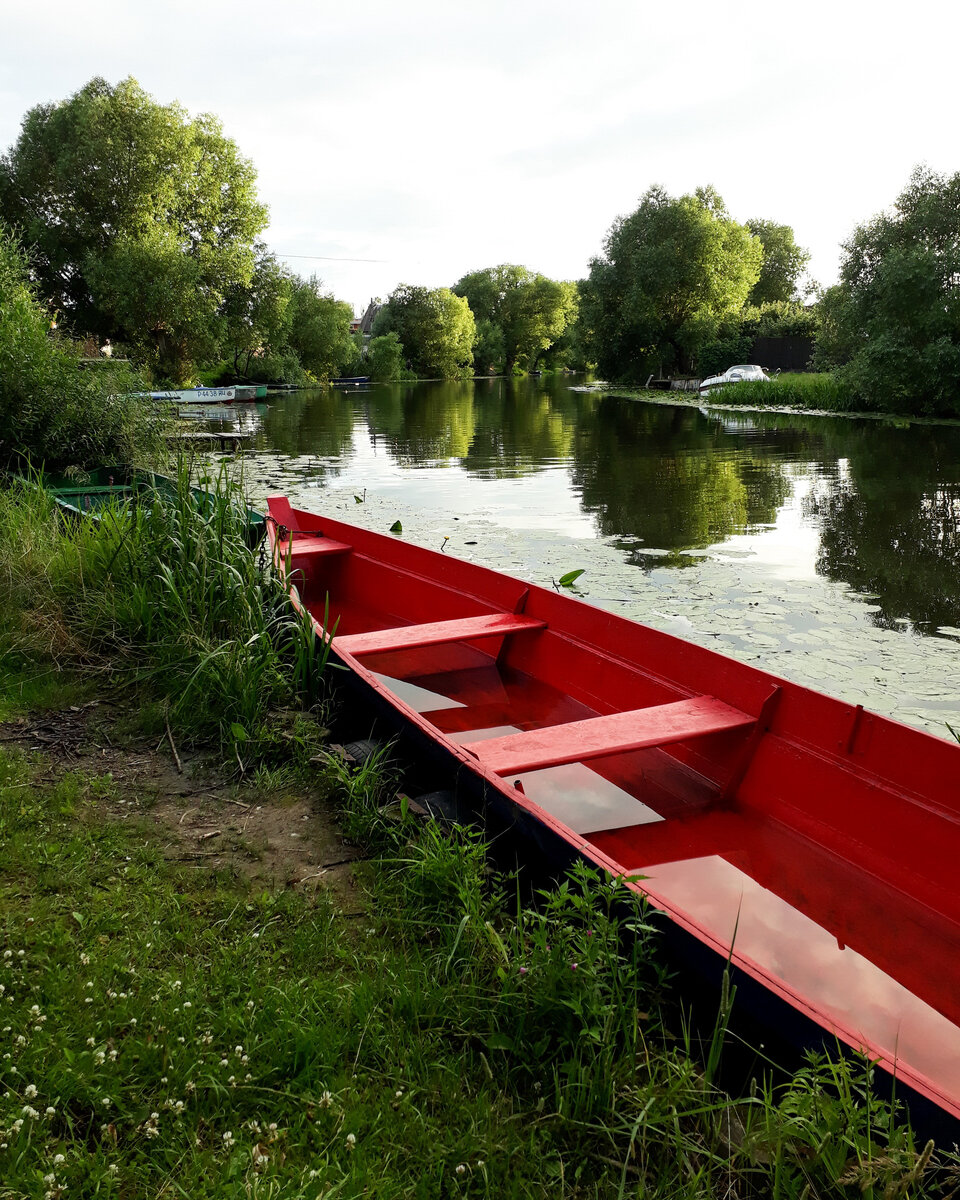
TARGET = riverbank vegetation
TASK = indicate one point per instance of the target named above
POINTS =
(431, 1030)
(143, 231)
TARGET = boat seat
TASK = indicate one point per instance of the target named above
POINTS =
(617, 733)
(305, 545)
(435, 633)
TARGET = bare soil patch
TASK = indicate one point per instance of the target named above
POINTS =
(275, 837)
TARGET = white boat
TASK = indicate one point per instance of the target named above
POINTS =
(224, 395)
(741, 373)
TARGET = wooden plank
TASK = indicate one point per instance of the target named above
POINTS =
(304, 545)
(433, 633)
(578, 741)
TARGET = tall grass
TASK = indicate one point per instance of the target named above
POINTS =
(165, 595)
(806, 391)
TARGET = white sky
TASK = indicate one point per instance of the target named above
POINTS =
(443, 136)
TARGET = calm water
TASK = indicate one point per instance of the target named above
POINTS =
(825, 549)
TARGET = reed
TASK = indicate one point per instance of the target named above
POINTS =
(167, 597)
(821, 392)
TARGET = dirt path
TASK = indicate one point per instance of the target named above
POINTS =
(285, 838)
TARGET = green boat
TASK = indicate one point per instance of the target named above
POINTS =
(87, 495)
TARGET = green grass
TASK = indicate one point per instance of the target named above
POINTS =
(165, 599)
(808, 391)
(173, 1032)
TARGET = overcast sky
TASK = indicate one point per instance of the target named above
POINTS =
(440, 136)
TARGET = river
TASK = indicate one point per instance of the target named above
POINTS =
(824, 549)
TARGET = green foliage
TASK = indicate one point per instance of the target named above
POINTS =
(319, 332)
(52, 410)
(783, 263)
(257, 319)
(170, 594)
(519, 315)
(668, 275)
(138, 218)
(435, 327)
(824, 392)
(736, 333)
(893, 321)
(384, 361)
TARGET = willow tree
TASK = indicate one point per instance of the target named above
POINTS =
(668, 274)
(138, 218)
(519, 314)
(435, 327)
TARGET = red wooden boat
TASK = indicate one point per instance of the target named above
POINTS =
(813, 844)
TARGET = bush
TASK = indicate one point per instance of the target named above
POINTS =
(53, 410)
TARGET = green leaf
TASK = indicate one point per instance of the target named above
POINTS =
(239, 733)
(570, 577)
(358, 499)
(396, 527)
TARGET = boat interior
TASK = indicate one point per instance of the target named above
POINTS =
(818, 841)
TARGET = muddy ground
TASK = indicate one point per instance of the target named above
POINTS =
(286, 838)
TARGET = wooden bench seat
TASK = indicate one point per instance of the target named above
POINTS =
(306, 546)
(435, 633)
(579, 741)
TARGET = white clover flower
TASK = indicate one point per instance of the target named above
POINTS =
(30, 1091)
(224, 1062)
(249, 1004)
(50, 1179)
(187, 1004)
(351, 1140)
(85, 960)
(8, 954)
(133, 1020)
(113, 1169)
(29, 1111)
(21, 1040)
(113, 1056)
(50, 1111)
(35, 1010)
(228, 1139)
(461, 1168)
(21, 953)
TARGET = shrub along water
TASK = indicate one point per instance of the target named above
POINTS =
(53, 410)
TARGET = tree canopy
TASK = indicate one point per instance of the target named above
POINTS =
(669, 272)
(519, 314)
(893, 320)
(783, 263)
(138, 218)
(53, 411)
(435, 327)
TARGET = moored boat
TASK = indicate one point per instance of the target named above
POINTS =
(224, 395)
(806, 842)
(88, 494)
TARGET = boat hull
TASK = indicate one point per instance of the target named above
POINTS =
(805, 842)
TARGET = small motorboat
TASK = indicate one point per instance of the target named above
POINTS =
(809, 844)
(741, 373)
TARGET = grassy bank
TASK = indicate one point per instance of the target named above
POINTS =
(808, 391)
(171, 1029)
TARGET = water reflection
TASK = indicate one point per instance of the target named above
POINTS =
(871, 506)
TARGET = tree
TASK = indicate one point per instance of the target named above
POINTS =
(435, 327)
(54, 411)
(668, 274)
(138, 219)
(257, 316)
(320, 329)
(384, 360)
(895, 314)
(783, 263)
(519, 314)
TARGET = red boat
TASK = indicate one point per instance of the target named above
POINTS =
(812, 844)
